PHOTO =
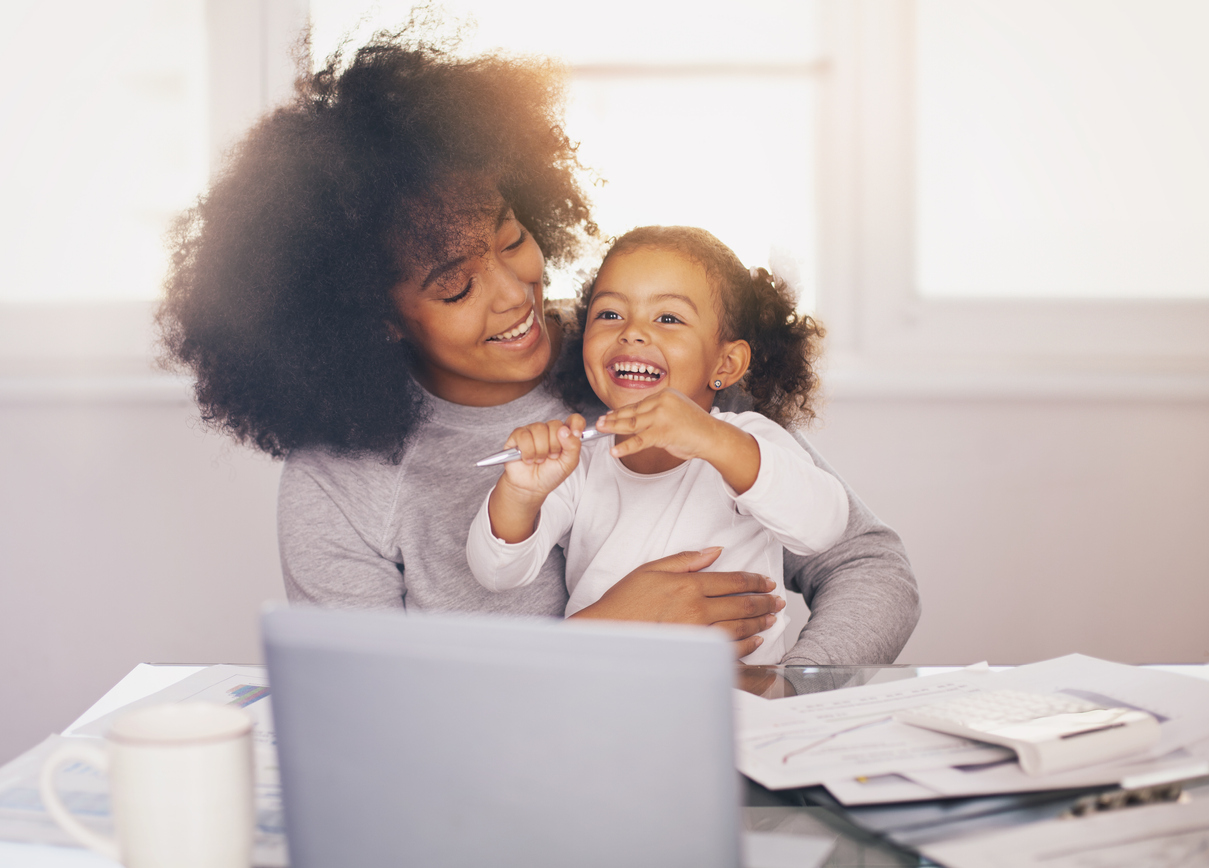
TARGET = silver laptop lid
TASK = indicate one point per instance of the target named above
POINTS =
(441, 740)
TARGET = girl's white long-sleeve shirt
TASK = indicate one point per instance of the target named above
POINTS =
(610, 520)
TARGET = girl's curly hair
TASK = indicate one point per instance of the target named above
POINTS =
(278, 296)
(753, 305)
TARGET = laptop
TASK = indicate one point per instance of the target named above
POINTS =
(457, 740)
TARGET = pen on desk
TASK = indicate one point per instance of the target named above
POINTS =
(513, 454)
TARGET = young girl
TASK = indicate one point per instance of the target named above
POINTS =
(672, 318)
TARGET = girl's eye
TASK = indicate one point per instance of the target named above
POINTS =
(461, 295)
(668, 319)
(608, 314)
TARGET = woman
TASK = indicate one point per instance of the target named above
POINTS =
(361, 292)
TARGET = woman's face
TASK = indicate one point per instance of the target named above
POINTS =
(477, 317)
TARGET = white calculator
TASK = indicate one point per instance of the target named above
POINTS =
(1049, 732)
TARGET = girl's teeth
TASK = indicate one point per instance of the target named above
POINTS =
(636, 371)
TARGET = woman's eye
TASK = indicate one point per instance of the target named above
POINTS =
(461, 295)
(518, 242)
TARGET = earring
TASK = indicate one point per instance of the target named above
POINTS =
(717, 384)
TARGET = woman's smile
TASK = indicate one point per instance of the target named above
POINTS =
(519, 332)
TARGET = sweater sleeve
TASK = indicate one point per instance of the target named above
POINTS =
(862, 595)
(502, 566)
(804, 507)
(330, 521)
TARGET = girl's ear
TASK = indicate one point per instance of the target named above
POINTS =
(394, 332)
(732, 364)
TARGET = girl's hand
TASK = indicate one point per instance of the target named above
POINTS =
(669, 420)
(673, 422)
(549, 452)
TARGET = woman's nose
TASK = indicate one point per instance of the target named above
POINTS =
(507, 288)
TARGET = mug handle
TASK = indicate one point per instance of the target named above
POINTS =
(89, 755)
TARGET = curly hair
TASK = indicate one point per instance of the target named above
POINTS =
(754, 306)
(278, 300)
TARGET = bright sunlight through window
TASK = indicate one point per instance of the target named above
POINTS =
(691, 115)
(105, 142)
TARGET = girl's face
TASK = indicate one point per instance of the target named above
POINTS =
(477, 318)
(652, 324)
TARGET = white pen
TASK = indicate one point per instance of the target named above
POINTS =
(513, 454)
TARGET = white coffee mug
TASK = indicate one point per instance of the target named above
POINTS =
(180, 784)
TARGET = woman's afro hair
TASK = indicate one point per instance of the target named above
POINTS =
(278, 298)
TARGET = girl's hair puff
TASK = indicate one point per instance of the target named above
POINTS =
(278, 299)
(753, 305)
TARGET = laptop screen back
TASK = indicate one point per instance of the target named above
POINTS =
(457, 740)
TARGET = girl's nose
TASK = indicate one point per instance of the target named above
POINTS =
(632, 334)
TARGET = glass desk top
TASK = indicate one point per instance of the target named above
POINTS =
(808, 811)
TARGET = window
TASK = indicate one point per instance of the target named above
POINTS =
(967, 188)
(105, 142)
(940, 240)
(691, 118)
(111, 126)
(1062, 149)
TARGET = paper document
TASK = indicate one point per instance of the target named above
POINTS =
(805, 740)
(842, 737)
(1008, 778)
(85, 791)
(879, 790)
(242, 686)
(141, 681)
(1171, 835)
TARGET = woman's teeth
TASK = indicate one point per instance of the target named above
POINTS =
(519, 330)
(636, 371)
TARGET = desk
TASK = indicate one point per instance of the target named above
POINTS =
(808, 811)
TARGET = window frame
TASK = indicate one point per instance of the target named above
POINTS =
(882, 331)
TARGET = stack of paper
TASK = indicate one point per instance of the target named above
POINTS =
(85, 790)
(848, 741)
(1171, 835)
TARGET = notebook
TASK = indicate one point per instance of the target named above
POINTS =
(445, 740)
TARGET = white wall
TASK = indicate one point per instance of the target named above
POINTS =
(1036, 527)
(127, 535)
(1040, 527)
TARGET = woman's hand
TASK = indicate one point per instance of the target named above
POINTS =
(670, 590)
